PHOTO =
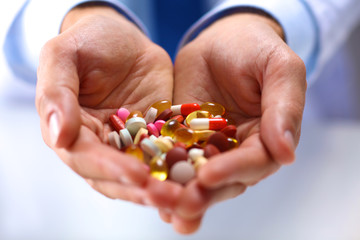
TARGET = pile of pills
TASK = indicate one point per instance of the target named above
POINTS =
(174, 141)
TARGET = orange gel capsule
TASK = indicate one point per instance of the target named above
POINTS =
(214, 108)
(185, 135)
(135, 114)
(169, 128)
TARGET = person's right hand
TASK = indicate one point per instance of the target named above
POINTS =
(99, 62)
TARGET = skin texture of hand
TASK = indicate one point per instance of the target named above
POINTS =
(100, 62)
(241, 62)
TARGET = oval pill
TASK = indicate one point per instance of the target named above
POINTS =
(185, 109)
(114, 139)
(125, 137)
(170, 127)
(208, 123)
(151, 115)
(213, 108)
(182, 172)
(185, 135)
(219, 140)
(116, 122)
(153, 130)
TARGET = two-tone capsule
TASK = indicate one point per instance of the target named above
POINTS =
(208, 123)
(184, 109)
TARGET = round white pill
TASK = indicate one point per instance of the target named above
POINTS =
(134, 124)
(182, 172)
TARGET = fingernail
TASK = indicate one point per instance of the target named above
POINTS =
(54, 128)
(290, 139)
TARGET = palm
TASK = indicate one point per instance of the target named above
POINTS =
(116, 70)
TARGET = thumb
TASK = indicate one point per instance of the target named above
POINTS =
(57, 95)
(283, 99)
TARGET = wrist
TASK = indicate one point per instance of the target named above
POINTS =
(87, 10)
(251, 18)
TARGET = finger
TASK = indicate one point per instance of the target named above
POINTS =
(247, 164)
(57, 94)
(163, 195)
(165, 215)
(185, 226)
(93, 159)
(115, 190)
(283, 99)
(196, 199)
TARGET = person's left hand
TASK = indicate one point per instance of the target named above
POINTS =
(241, 62)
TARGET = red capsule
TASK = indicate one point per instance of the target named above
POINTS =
(208, 123)
(185, 109)
(116, 122)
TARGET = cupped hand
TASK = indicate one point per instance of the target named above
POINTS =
(99, 62)
(241, 62)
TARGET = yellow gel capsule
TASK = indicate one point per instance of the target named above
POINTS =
(161, 106)
(158, 168)
(169, 128)
(213, 108)
(197, 114)
(135, 114)
(185, 135)
(135, 151)
(233, 143)
(203, 135)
